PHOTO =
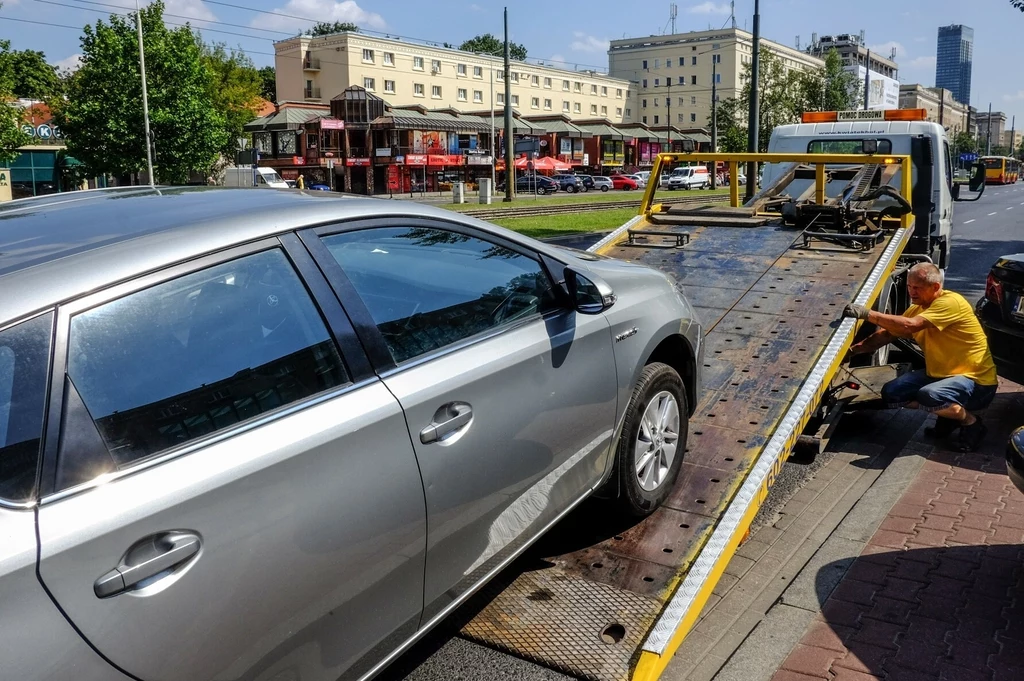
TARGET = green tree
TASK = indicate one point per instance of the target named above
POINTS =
(331, 27)
(268, 88)
(829, 89)
(779, 95)
(11, 117)
(33, 77)
(489, 44)
(732, 136)
(235, 87)
(965, 143)
(101, 113)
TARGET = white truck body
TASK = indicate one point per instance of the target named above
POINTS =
(927, 145)
(244, 177)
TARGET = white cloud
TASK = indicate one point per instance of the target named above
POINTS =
(321, 10)
(476, 8)
(189, 8)
(1019, 97)
(588, 43)
(556, 59)
(922, 63)
(69, 63)
(709, 8)
(885, 48)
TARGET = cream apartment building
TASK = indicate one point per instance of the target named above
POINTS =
(670, 75)
(406, 73)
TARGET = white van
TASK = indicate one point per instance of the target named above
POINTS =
(690, 177)
(897, 131)
(245, 177)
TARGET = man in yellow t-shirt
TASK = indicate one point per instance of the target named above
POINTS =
(959, 375)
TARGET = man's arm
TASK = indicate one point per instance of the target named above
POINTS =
(876, 340)
(897, 325)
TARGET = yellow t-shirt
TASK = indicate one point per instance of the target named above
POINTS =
(957, 346)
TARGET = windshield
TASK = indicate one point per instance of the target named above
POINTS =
(845, 146)
(994, 163)
(270, 175)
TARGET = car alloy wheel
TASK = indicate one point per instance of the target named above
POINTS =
(604, 188)
(657, 441)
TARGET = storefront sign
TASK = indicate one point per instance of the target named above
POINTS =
(382, 151)
(477, 160)
(331, 124)
(393, 180)
(357, 161)
(28, 130)
(44, 131)
(565, 145)
(415, 159)
(445, 160)
(298, 161)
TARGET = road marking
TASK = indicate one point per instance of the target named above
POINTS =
(969, 222)
(991, 214)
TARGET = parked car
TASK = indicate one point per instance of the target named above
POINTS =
(1015, 458)
(603, 183)
(240, 482)
(528, 184)
(645, 175)
(690, 177)
(568, 183)
(623, 182)
(641, 182)
(319, 187)
(1001, 313)
(587, 181)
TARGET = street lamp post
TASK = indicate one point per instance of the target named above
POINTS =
(753, 114)
(145, 96)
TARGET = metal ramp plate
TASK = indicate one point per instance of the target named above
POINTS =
(594, 587)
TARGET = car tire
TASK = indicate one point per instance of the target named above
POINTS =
(604, 189)
(658, 388)
(571, 189)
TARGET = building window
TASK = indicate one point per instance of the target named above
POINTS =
(577, 108)
(565, 106)
(682, 61)
(417, 63)
(655, 120)
(514, 76)
(478, 72)
(655, 102)
(478, 96)
(693, 61)
(435, 91)
(501, 98)
(417, 89)
(643, 83)
(643, 119)
(693, 101)
(693, 118)
(645, 64)
(369, 84)
(461, 94)
(368, 56)
(501, 75)
(618, 111)
(657, 63)
(515, 100)
(680, 118)
(643, 103)
(389, 86)
(435, 66)
(716, 46)
(604, 91)
(593, 109)
(657, 82)
(535, 102)
(389, 59)
(460, 70)
(682, 80)
(593, 89)
(535, 81)
(577, 87)
(604, 111)
(618, 92)
(693, 80)
(629, 113)
(716, 58)
(565, 86)
(718, 78)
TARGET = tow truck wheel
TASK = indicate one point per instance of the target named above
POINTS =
(650, 449)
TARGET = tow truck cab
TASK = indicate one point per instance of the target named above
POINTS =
(896, 131)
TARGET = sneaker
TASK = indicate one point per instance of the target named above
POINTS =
(972, 435)
(942, 428)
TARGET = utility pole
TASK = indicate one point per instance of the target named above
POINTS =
(668, 103)
(494, 152)
(510, 170)
(942, 106)
(714, 119)
(988, 135)
(753, 114)
(867, 81)
(145, 96)
(1013, 137)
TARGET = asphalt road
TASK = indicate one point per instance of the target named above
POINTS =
(982, 231)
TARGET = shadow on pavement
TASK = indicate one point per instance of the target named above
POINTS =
(970, 261)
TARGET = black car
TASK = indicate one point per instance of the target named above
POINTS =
(568, 183)
(587, 181)
(1001, 313)
(540, 184)
(1015, 458)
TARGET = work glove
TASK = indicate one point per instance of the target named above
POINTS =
(855, 311)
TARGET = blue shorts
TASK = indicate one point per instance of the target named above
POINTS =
(935, 394)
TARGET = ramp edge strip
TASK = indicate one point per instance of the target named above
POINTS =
(613, 237)
(667, 633)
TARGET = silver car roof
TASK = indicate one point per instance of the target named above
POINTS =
(61, 246)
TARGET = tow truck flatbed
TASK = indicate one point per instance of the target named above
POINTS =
(603, 598)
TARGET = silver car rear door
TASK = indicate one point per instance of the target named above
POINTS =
(510, 399)
(227, 498)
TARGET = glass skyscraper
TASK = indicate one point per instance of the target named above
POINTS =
(954, 59)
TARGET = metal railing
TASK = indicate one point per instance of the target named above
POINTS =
(312, 93)
(311, 64)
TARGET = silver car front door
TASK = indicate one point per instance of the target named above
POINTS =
(510, 399)
(230, 499)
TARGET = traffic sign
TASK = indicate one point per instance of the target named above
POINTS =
(968, 157)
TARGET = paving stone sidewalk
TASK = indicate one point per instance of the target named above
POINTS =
(937, 593)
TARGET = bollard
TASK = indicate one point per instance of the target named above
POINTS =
(485, 190)
(458, 192)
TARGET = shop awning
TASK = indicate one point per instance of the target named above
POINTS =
(558, 126)
(603, 130)
(410, 119)
(638, 132)
(290, 118)
(699, 137)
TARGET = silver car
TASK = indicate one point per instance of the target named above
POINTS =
(270, 435)
(603, 183)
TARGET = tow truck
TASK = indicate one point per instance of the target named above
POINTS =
(601, 599)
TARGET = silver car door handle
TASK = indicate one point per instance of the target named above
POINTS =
(148, 559)
(458, 416)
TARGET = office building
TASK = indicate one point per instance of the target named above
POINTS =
(939, 104)
(671, 75)
(854, 52)
(954, 60)
(991, 127)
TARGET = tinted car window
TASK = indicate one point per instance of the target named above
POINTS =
(198, 354)
(24, 357)
(426, 288)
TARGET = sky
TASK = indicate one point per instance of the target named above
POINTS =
(571, 32)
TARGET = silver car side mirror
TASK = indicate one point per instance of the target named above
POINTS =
(589, 294)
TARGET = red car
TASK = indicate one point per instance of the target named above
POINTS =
(622, 182)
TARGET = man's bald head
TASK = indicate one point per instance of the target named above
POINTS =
(926, 273)
(924, 283)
